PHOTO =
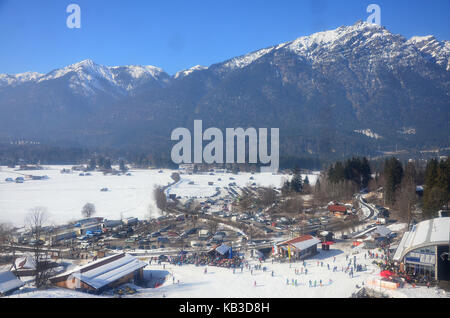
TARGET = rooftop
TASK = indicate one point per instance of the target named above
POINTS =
(426, 233)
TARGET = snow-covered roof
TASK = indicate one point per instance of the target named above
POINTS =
(222, 249)
(306, 244)
(382, 231)
(109, 270)
(9, 281)
(426, 233)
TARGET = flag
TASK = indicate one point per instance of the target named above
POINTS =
(231, 253)
(289, 252)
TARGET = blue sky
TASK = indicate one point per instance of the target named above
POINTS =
(176, 35)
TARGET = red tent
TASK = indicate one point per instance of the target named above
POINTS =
(386, 274)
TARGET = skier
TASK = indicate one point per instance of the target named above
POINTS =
(310, 283)
(272, 273)
(255, 283)
(328, 265)
(306, 271)
(320, 283)
(287, 281)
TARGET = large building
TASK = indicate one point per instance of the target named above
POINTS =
(102, 274)
(425, 249)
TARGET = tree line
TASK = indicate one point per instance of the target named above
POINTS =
(400, 181)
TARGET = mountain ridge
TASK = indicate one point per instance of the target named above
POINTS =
(331, 93)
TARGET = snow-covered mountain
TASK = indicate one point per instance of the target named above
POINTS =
(327, 92)
(88, 78)
(17, 79)
(440, 51)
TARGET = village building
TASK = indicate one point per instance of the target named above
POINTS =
(130, 221)
(102, 274)
(338, 210)
(298, 248)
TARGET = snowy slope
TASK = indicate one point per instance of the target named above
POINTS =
(188, 72)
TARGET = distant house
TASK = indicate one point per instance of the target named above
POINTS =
(9, 283)
(337, 210)
(111, 223)
(102, 274)
(54, 239)
(203, 233)
(130, 221)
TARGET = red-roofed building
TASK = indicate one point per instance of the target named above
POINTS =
(338, 210)
(299, 248)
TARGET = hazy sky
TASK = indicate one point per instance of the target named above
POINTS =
(176, 35)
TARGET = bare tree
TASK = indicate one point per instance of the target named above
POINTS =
(150, 212)
(251, 232)
(175, 176)
(36, 221)
(267, 196)
(406, 198)
(88, 210)
(212, 226)
(5, 232)
(160, 198)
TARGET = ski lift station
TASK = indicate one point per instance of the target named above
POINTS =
(425, 248)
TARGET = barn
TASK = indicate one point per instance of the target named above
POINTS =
(102, 274)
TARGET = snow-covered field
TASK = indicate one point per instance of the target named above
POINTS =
(64, 195)
(201, 189)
